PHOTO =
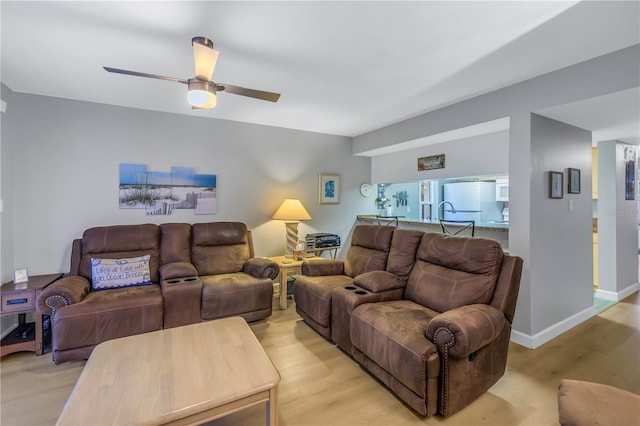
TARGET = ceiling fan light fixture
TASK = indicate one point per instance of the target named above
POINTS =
(202, 94)
(204, 56)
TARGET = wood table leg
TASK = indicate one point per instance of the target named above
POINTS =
(38, 333)
(272, 407)
(283, 289)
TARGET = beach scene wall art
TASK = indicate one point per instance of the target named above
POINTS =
(159, 193)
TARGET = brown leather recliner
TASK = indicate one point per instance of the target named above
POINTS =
(81, 318)
(233, 281)
(374, 286)
(369, 250)
(223, 280)
(445, 341)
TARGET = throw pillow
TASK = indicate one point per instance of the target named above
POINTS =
(118, 273)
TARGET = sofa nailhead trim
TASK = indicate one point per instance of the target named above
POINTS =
(445, 364)
(53, 314)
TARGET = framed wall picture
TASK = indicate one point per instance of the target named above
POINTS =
(328, 188)
(574, 181)
(20, 276)
(629, 173)
(555, 184)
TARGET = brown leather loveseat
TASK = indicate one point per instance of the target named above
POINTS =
(192, 273)
(438, 336)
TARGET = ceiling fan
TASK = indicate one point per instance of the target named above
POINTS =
(201, 90)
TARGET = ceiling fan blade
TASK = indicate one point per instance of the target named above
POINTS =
(258, 94)
(204, 57)
(142, 74)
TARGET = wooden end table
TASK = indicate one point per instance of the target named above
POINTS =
(286, 265)
(21, 299)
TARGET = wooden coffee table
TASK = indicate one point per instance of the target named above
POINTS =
(184, 375)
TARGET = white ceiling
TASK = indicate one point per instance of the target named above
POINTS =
(343, 68)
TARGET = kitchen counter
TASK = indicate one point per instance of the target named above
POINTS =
(498, 231)
(480, 226)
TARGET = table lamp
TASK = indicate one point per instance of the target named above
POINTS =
(292, 212)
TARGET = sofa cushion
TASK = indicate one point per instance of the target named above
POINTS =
(402, 254)
(119, 242)
(379, 281)
(219, 247)
(175, 243)
(238, 293)
(105, 315)
(370, 245)
(313, 295)
(392, 334)
(453, 271)
(117, 273)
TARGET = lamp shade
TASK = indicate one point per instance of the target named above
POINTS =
(292, 209)
(202, 94)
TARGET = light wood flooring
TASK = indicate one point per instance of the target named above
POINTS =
(322, 386)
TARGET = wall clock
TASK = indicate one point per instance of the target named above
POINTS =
(365, 189)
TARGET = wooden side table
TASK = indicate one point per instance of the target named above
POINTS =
(286, 265)
(21, 299)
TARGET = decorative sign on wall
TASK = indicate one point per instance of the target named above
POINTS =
(161, 192)
(431, 162)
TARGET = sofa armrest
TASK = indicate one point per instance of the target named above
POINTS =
(177, 270)
(379, 281)
(63, 292)
(462, 331)
(322, 267)
(260, 267)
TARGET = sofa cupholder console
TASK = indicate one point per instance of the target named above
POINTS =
(178, 293)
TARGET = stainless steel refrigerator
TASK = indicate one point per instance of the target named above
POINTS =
(472, 201)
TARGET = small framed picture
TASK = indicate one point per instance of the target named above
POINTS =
(20, 276)
(574, 181)
(555, 184)
(328, 189)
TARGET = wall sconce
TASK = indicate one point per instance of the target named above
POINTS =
(292, 212)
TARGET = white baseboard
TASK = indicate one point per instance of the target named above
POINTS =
(617, 296)
(553, 331)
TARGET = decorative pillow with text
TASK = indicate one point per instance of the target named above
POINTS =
(118, 273)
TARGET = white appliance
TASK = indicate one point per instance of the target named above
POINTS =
(472, 201)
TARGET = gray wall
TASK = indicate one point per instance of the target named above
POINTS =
(473, 156)
(65, 174)
(6, 185)
(561, 252)
(617, 247)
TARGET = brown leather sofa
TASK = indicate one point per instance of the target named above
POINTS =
(197, 272)
(369, 250)
(437, 336)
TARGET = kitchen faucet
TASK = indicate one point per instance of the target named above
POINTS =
(453, 209)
